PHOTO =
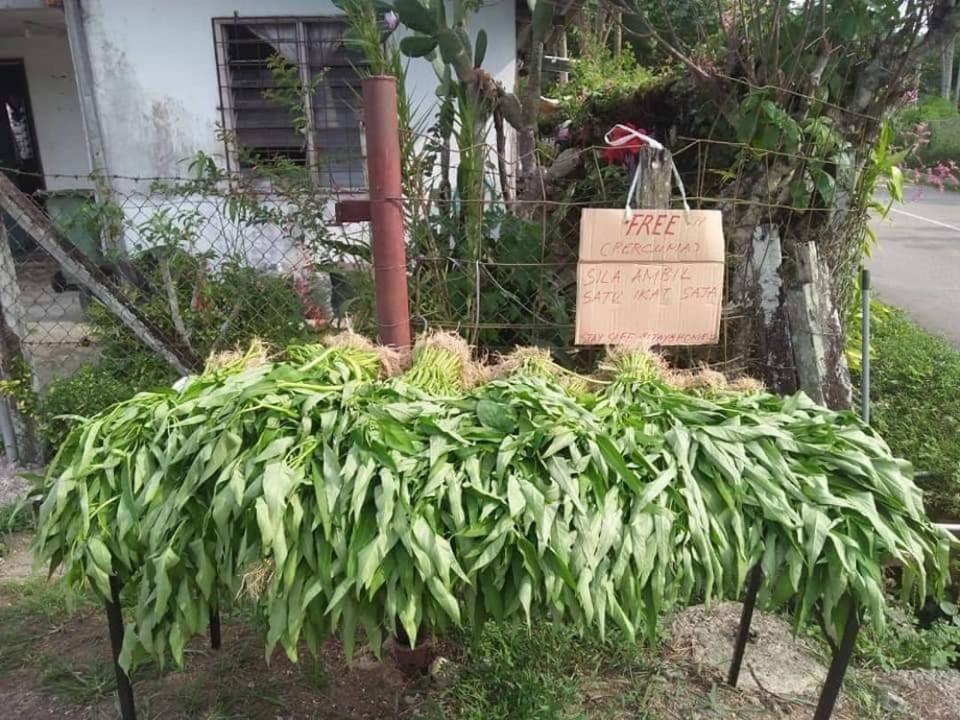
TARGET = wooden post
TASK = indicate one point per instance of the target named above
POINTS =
(75, 263)
(754, 580)
(563, 77)
(838, 667)
(115, 624)
(653, 190)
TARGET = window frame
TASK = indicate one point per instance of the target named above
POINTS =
(228, 115)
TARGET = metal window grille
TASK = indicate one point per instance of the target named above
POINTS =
(310, 119)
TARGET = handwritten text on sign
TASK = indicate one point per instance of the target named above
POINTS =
(655, 277)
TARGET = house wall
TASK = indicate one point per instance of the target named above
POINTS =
(155, 79)
(55, 105)
(155, 73)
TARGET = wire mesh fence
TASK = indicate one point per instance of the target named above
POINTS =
(216, 261)
(215, 258)
(210, 263)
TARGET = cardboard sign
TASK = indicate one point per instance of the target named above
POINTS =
(656, 277)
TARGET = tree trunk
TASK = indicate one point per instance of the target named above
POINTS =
(780, 300)
(766, 265)
(956, 84)
(946, 69)
(816, 335)
(530, 180)
(654, 188)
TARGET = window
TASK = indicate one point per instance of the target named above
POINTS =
(261, 110)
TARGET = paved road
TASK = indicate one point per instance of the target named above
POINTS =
(917, 263)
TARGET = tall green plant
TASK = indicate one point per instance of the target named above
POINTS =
(341, 501)
(447, 44)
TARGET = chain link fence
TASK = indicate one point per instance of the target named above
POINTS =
(105, 297)
(175, 269)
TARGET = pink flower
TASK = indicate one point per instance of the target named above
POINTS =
(910, 97)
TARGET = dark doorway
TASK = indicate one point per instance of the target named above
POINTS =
(19, 155)
(18, 139)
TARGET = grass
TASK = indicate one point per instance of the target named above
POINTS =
(29, 613)
(13, 518)
(546, 673)
(83, 683)
(916, 404)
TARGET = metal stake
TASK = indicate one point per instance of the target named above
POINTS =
(865, 346)
(754, 580)
(115, 622)
(214, 628)
(838, 667)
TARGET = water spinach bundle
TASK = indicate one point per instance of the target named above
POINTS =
(341, 496)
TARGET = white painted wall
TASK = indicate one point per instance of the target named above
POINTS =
(55, 104)
(155, 77)
(155, 73)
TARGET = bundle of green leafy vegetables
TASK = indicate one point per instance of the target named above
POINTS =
(341, 499)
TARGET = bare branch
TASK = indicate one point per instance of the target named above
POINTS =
(171, 292)
(657, 37)
(502, 155)
(944, 23)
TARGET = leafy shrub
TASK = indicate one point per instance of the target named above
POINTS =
(13, 518)
(220, 309)
(916, 407)
(600, 79)
(944, 142)
(95, 387)
(904, 644)
(932, 127)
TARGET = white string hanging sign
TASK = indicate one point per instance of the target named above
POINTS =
(651, 275)
(628, 134)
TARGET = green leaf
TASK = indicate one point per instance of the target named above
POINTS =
(417, 46)
(415, 16)
(826, 185)
(495, 417)
(480, 51)
(614, 459)
(455, 53)
(100, 555)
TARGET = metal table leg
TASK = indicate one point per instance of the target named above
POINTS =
(754, 580)
(214, 628)
(115, 622)
(838, 667)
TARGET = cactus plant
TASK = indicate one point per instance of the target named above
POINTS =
(448, 45)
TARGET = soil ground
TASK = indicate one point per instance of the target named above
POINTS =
(55, 662)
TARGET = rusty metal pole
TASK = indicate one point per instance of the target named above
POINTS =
(386, 209)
